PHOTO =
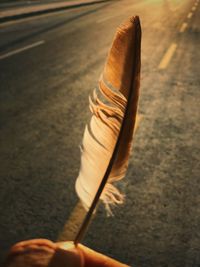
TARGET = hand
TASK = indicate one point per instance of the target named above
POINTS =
(44, 253)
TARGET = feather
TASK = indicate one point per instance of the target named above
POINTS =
(106, 143)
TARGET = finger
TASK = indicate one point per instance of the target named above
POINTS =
(39, 241)
(37, 252)
(32, 244)
(95, 259)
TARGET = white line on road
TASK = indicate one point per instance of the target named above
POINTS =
(167, 57)
(105, 18)
(17, 51)
(183, 27)
(189, 15)
(18, 21)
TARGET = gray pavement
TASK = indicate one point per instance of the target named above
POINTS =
(28, 9)
(48, 68)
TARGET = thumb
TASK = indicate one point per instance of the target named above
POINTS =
(95, 259)
(82, 256)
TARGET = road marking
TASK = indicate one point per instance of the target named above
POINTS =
(17, 51)
(71, 227)
(194, 8)
(105, 18)
(137, 121)
(189, 15)
(41, 16)
(167, 57)
(183, 27)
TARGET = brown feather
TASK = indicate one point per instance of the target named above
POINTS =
(107, 139)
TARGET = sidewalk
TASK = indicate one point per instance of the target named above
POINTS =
(26, 11)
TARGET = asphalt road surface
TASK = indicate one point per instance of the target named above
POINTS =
(48, 67)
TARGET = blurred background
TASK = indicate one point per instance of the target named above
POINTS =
(51, 56)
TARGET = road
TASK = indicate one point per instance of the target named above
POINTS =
(49, 65)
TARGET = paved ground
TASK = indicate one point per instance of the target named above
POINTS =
(48, 68)
(18, 3)
(16, 11)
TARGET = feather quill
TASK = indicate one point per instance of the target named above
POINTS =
(107, 138)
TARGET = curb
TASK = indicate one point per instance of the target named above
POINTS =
(48, 10)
